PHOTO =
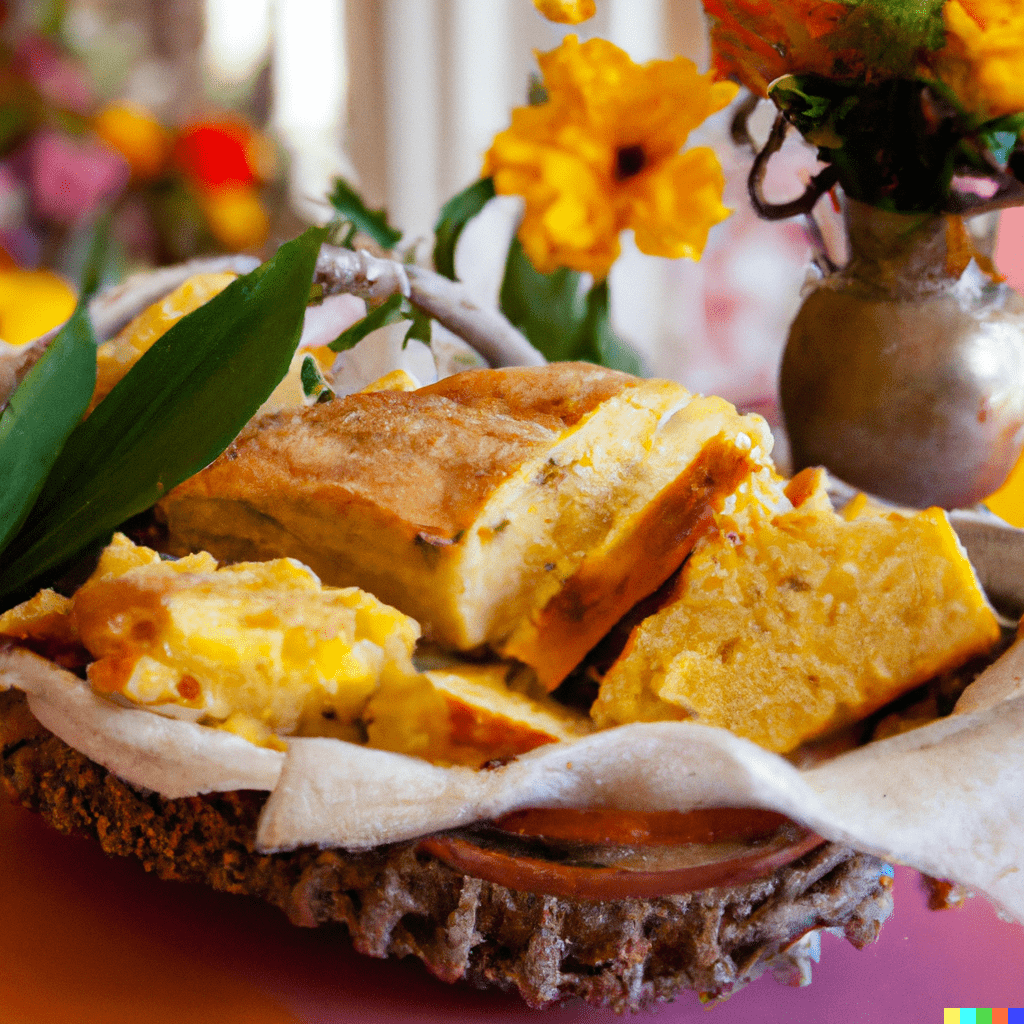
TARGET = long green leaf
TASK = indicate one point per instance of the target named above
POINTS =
(455, 215)
(350, 205)
(177, 409)
(40, 416)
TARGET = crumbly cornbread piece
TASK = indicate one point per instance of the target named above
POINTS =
(466, 714)
(783, 629)
(397, 901)
(264, 651)
(524, 508)
(259, 649)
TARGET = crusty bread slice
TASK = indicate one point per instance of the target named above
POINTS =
(526, 509)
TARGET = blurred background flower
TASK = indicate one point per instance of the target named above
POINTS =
(77, 151)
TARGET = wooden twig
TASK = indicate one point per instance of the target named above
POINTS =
(375, 279)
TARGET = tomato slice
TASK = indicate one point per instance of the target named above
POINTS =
(643, 828)
(731, 846)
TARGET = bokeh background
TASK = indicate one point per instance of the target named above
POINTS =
(400, 97)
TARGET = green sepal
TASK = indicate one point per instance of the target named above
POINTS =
(560, 316)
(350, 207)
(454, 216)
(40, 417)
(1001, 136)
(171, 415)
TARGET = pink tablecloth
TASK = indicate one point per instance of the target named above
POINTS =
(85, 939)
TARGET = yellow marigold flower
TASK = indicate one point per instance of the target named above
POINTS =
(137, 136)
(983, 60)
(603, 153)
(568, 12)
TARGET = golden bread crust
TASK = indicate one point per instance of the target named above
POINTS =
(369, 449)
(471, 504)
(556, 396)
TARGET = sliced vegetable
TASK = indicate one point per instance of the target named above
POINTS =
(700, 866)
(660, 828)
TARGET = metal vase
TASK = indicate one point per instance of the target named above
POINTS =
(904, 371)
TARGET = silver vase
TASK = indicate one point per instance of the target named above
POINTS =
(904, 371)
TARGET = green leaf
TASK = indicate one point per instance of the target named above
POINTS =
(455, 215)
(388, 312)
(549, 309)
(175, 411)
(350, 206)
(314, 384)
(560, 316)
(14, 122)
(612, 351)
(41, 415)
(419, 329)
(1001, 135)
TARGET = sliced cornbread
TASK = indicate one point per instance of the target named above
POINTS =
(525, 509)
(784, 628)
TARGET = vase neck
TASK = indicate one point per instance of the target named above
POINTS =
(908, 254)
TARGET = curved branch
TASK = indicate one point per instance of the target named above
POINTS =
(739, 126)
(448, 302)
(816, 188)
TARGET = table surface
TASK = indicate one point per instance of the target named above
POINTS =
(85, 939)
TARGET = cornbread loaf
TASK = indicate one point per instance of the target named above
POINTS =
(396, 900)
(784, 628)
(526, 509)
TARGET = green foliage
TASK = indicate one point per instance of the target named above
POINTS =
(174, 412)
(351, 208)
(455, 215)
(390, 311)
(314, 384)
(41, 415)
(560, 316)
(896, 143)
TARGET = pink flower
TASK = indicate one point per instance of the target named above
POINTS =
(71, 178)
(53, 74)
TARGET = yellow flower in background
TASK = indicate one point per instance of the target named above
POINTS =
(568, 12)
(236, 216)
(983, 59)
(137, 136)
(604, 153)
(31, 302)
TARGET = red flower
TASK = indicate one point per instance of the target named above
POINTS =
(215, 154)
